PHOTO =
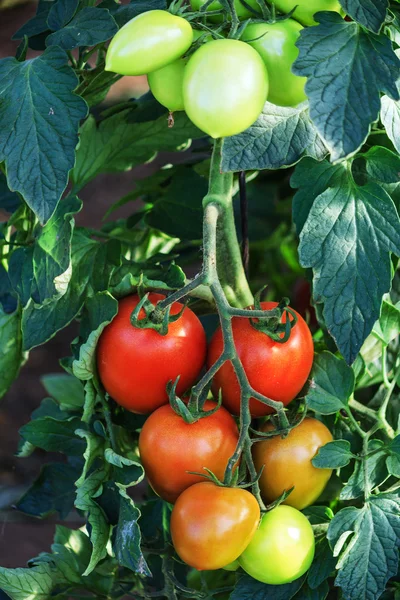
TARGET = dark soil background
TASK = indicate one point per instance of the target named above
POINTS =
(22, 538)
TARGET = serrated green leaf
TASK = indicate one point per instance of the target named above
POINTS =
(89, 27)
(126, 279)
(346, 240)
(333, 455)
(94, 449)
(53, 491)
(346, 69)
(128, 538)
(67, 390)
(118, 143)
(369, 13)
(390, 114)
(371, 555)
(248, 588)
(331, 386)
(127, 472)
(382, 164)
(376, 472)
(32, 584)
(11, 356)
(54, 436)
(322, 566)
(101, 310)
(91, 399)
(393, 460)
(39, 127)
(279, 138)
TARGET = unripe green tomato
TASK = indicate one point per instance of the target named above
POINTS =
(282, 549)
(275, 43)
(233, 566)
(148, 42)
(204, 35)
(225, 87)
(306, 9)
(166, 84)
(241, 10)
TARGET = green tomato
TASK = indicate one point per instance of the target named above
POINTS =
(204, 35)
(275, 43)
(148, 42)
(306, 8)
(282, 548)
(233, 566)
(241, 10)
(224, 87)
(166, 84)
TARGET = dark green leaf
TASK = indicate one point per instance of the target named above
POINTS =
(9, 201)
(89, 27)
(39, 127)
(371, 557)
(49, 408)
(248, 588)
(331, 386)
(376, 472)
(127, 540)
(127, 472)
(346, 240)
(124, 13)
(333, 455)
(67, 390)
(318, 514)
(11, 356)
(54, 436)
(308, 593)
(38, 23)
(94, 449)
(393, 461)
(322, 566)
(370, 13)
(347, 68)
(279, 138)
(61, 12)
(383, 165)
(95, 84)
(53, 491)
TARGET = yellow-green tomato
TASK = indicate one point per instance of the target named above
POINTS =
(148, 42)
(241, 10)
(233, 566)
(306, 9)
(166, 84)
(225, 86)
(275, 43)
(282, 548)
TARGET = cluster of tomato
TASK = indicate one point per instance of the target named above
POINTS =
(214, 526)
(224, 83)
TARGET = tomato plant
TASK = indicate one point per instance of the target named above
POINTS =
(287, 463)
(172, 449)
(276, 370)
(211, 526)
(135, 365)
(282, 548)
(209, 249)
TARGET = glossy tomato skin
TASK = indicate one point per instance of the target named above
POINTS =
(282, 549)
(287, 463)
(306, 8)
(241, 10)
(275, 43)
(148, 42)
(224, 87)
(169, 448)
(135, 364)
(212, 525)
(279, 371)
(166, 85)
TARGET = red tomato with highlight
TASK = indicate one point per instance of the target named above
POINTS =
(211, 525)
(135, 364)
(169, 448)
(278, 371)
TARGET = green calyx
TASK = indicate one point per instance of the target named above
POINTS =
(272, 324)
(155, 317)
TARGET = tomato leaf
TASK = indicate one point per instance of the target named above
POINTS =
(124, 13)
(333, 455)
(322, 566)
(61, 12)
(369, 13)
(309, 593)
(38, 24)
(347, 239)
(128, 538)
(382, 164)
(331, 385)
(118, 143)
(11, 356)
(347, 68)
(9, 201)
(53, 491)
(390, 115)
(39, 127)
(36, 583)
(279, 138)
(248, 588)
(89, 27)
(376, 472)
(67, 390)
(54, 436)
(371, 556)
(393, 461)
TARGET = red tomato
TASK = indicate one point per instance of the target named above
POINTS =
(169, 448)
(211, 525)
(278, 371)
(135, 364)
